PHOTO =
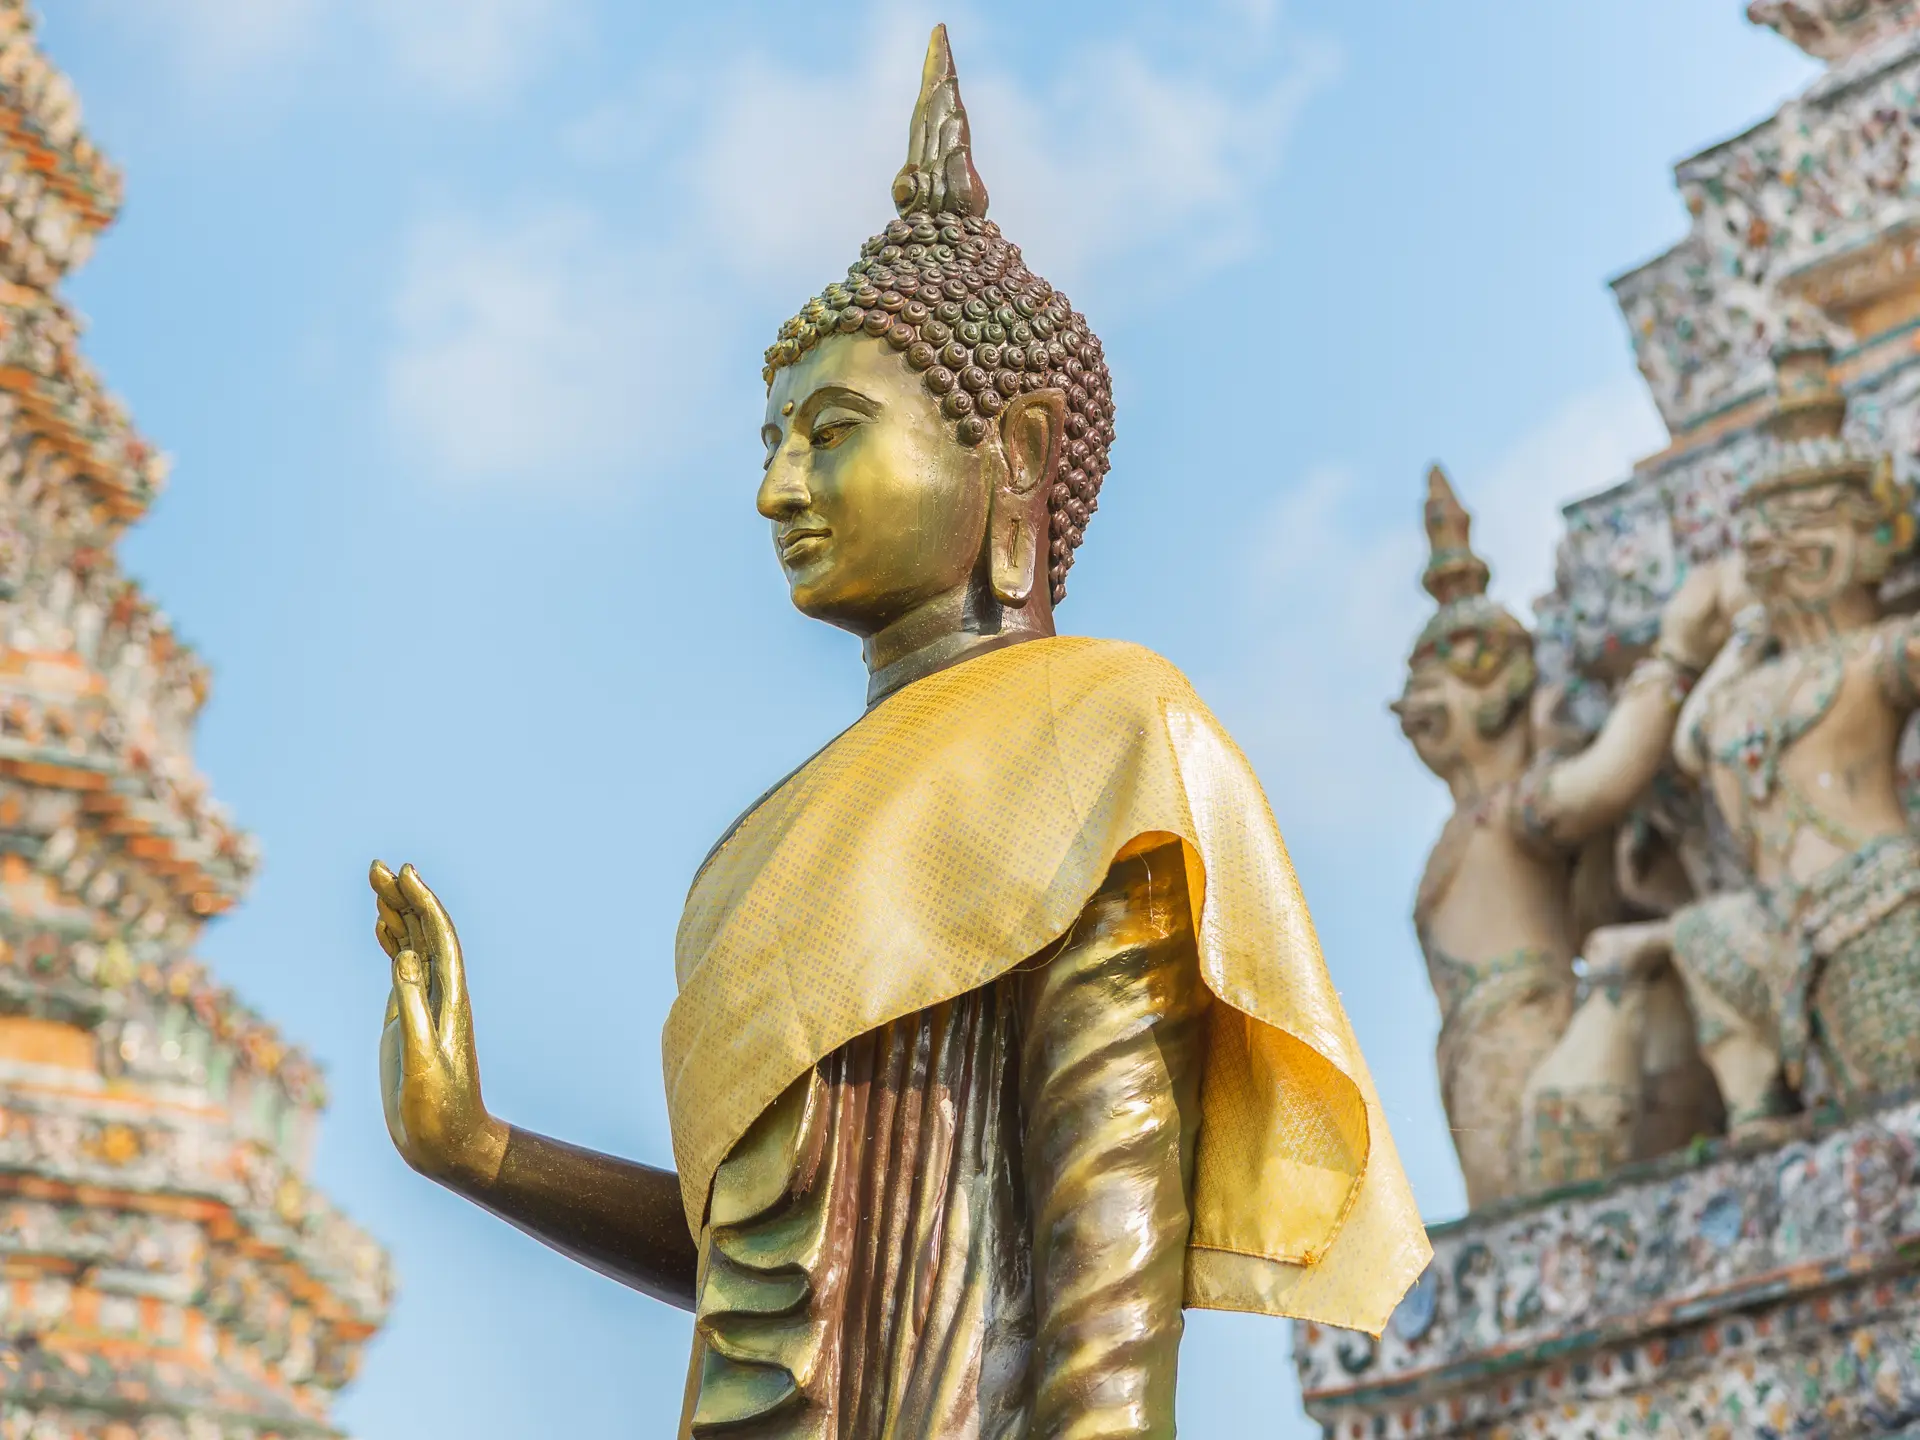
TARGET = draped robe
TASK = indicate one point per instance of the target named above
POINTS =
(1002, 1034)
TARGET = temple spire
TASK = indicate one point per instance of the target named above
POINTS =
(939, 177)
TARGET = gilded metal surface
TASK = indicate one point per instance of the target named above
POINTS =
(924, 548)
(972, 1222)
(960, 827)
(621, 1218)
(978, 1215)
(944, 289)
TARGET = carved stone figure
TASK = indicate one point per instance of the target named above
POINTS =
(1002, 1032)
(1832, 29)
(1495, 911)
(1625, 1081)
(1795, 729)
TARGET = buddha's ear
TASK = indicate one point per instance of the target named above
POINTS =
(1031, 428)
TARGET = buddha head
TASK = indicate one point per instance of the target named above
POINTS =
(1822, 519)
(1471, 674)
(937, 423)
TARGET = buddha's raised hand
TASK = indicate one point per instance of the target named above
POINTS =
(429, 1076)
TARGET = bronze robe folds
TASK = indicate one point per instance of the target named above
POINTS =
(1002, 1033)
(972, 1223)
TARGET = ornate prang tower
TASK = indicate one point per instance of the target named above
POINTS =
(1760, 1288)
(166, 1272)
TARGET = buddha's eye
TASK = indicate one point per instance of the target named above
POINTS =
(829, 433)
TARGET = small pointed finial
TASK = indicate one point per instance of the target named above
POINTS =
(939, 177)
(1453, 571)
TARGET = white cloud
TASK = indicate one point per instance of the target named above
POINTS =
(458, 51)
(510, 345)
(216, 41)
(1126, 148)
(792, 216)
(532, 353)
(471, 50)
(1588, 443)
(1124, 154)
(1334, 603)
(1335, 591)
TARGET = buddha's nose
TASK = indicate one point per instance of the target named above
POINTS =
(784, 492)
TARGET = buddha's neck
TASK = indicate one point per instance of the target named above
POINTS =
(943, 632)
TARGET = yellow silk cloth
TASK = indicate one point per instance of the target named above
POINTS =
(958, 829)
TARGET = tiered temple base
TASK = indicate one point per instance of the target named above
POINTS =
(167, 1271)
(1738, 1291)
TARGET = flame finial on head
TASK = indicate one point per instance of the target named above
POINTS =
(939, 178)
(1453, 571)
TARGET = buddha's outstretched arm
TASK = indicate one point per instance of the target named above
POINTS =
(1569, 800)
(615, 1216)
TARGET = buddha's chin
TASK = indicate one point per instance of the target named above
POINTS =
(816, 596)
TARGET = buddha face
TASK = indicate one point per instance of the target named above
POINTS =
(1803, 549)
(876, 507)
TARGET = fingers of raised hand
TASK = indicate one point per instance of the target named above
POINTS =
(390, 926)
(390, 931)
(384, 886)
(396, 907)
(436, 927)
(410, 1001)
(443, 944)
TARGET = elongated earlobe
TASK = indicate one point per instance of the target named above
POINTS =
(1030, 431)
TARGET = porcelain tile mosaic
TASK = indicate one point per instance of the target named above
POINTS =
(166, 1270)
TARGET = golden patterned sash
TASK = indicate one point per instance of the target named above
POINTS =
(959, 828)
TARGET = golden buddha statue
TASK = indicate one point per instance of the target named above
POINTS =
(1532, 1102)
(1002, 1033)
(1794, 730)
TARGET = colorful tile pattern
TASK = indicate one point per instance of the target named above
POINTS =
(166, 1270)
(1766, 1292)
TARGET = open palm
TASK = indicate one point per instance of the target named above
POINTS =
(429, 1075)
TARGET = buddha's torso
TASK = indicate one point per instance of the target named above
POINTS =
(972, 1223)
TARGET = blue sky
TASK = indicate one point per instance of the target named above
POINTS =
(450, 312)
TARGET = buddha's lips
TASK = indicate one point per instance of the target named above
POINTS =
(794, 539)
(793, 542)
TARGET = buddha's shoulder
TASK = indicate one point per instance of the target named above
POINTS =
(1082, 670)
